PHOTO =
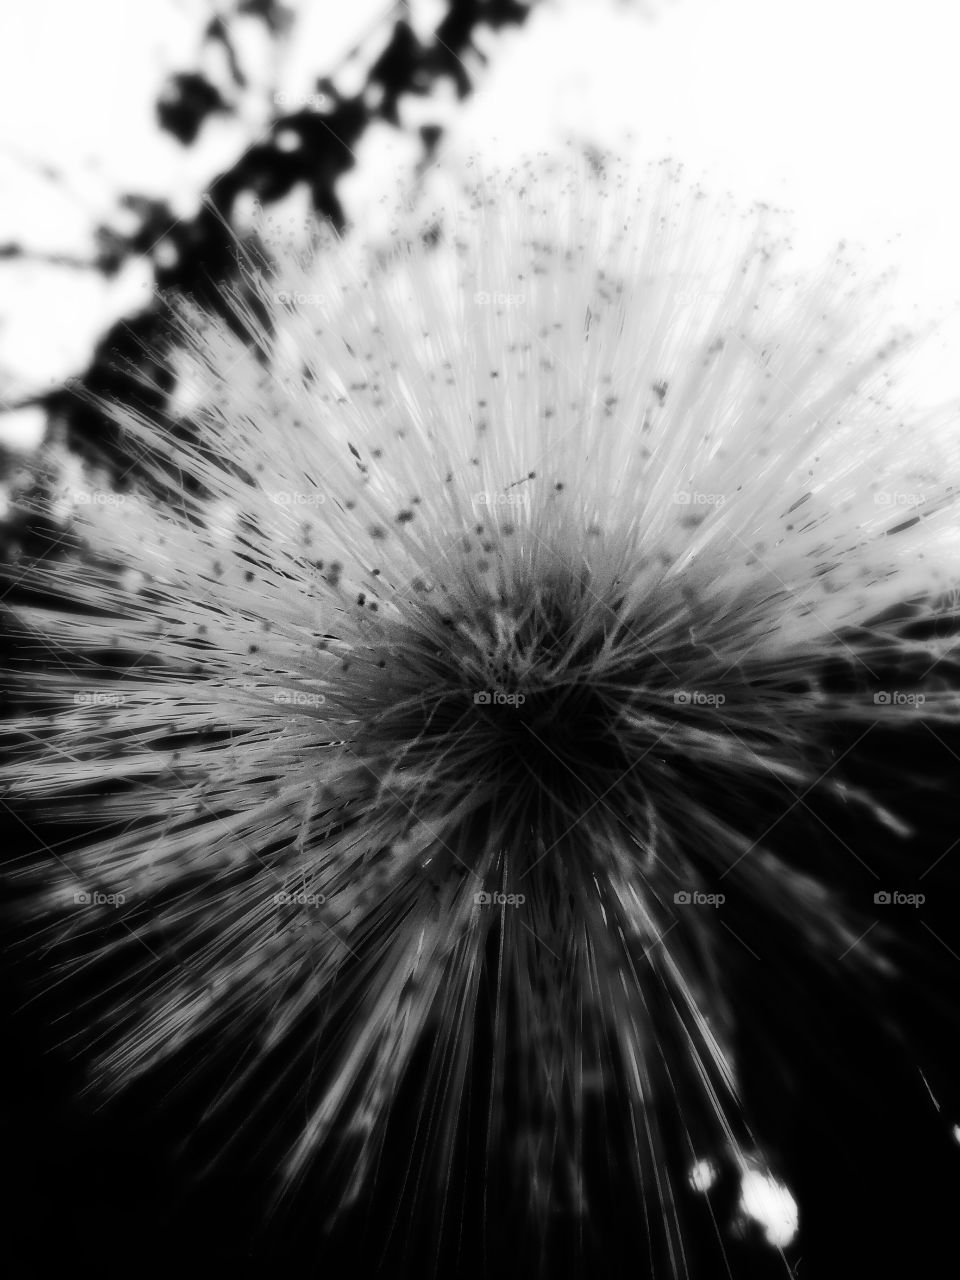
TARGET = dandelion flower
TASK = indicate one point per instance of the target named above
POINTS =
(488, 688)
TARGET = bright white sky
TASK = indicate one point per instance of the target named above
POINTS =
(842, 110)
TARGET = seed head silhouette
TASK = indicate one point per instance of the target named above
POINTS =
(487, 709)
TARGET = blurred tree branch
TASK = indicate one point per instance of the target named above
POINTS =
(314, 145)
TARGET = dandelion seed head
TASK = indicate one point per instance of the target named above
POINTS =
(500, 605)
